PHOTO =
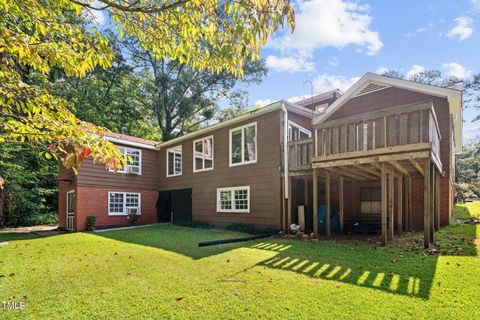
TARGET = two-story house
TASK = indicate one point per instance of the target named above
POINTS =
(381, 155)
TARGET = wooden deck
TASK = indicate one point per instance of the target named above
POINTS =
(389, 146)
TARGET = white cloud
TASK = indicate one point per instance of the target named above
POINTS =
(98, 17)
(414, 70)
(419, 30)
(456, 70)
(327, 82)
(471, 134)
(263, 102)
(475, 4)
(298, 98)
(381, 70)
(289, 64)
(463, 28)
(334, 62)
(336, 23)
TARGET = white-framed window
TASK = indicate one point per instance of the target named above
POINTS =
(243, 145)
(370, 200)
(235, 199)
(123, 203)
(297, 132)
(133, 160)
(174, 161)
(203, 154)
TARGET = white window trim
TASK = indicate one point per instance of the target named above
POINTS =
(70, 192)
(124, 203)
(232, 189)
(172, 149)
(129, 165)
(299, 127)
(243, 145)
(203, 158)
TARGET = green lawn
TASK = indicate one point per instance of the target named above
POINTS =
(159, 272)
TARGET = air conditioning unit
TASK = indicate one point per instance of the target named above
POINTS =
(132, 170)
(133, 211)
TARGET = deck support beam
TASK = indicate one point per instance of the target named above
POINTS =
(341, 195)
(426, 205)
(384, 203)
(432, 201)
(315, 202)
(327, 195)
(410, 204)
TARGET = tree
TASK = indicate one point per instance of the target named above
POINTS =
(183, 98)
(393, 74)
(109, 98)
(211, 35)
(472, 95)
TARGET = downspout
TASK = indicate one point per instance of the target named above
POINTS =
(285, 163)
(285, 148)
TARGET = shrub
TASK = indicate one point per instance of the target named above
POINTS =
(251, 229)
(133, 218)
(201, 225)
(91, 222)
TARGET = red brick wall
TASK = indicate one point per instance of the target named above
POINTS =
(94, 201)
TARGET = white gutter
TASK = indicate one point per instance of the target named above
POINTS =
(130, 143)
(285, 148)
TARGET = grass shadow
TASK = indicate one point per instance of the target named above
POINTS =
(362, 265)
(182, 240)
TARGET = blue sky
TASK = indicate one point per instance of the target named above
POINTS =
(337, 41)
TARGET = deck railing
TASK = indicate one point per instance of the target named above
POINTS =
(300, 154)
(409, 124)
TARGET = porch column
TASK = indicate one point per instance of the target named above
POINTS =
(305, 192)
(400, 204)
(391, 208)
(315, 202)
(384, 203)
(410, 204)
(327, 195)
(426, 204)
(341, 203)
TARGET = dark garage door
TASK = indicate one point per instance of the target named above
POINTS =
(176, 204)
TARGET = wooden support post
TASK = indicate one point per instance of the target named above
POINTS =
(405, 204)
(410, 204)
(400, 204)
(327, 195)
(289, 204)
(342, 207)
(391, 208)
(426, 204)
(437, 205)
(284, 207)
(315, 202)
(305, 192)
(432, 202)
(384, 203)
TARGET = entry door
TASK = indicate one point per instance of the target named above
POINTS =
(70, 210)
(175, 206)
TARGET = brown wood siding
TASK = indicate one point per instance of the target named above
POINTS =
(263, 176)
(392, 97)
(97, 175)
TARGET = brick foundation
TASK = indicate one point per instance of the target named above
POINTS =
(94, 201)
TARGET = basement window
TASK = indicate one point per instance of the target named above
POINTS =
(236, 199)
(370, 200)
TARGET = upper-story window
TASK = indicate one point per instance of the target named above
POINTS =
(243, 144)
(297, 132)
(203, 154)
(133, 160)
(174, 161)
